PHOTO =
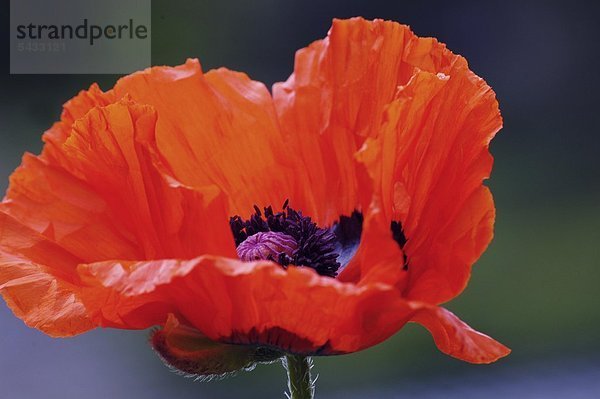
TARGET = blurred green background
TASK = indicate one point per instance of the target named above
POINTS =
(536, 289)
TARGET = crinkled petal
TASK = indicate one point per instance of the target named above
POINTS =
(217, 128)
(66, 210)
(38, 283)
(108, 151)
(73, 109)
(100, 196)
(103, 196)
(423, 121)
(336, 98)
(455, 338)
(253, 303)
(428, 164)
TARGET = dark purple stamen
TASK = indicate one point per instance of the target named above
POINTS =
(315, 246)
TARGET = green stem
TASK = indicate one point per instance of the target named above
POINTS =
(299, 382)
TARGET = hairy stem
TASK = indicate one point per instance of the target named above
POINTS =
(300, 383)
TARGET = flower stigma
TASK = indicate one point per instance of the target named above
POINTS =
(267, 245)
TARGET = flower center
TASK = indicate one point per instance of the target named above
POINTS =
(286, 237)
(268, 245)
(290, 238)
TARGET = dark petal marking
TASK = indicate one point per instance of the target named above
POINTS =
(347, 232)
(400, 238)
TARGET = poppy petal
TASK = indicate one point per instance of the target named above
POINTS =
(455, 338)
(253, 303)
(113, 195)
(336, 97)
(107, 149)
(73, 109)
(187, 351)
(217, 128)
(37, 282)
(428, 163)
(66, 210)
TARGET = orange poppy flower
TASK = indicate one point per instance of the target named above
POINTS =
(140, 210)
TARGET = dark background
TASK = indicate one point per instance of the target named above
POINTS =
(536, 289)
